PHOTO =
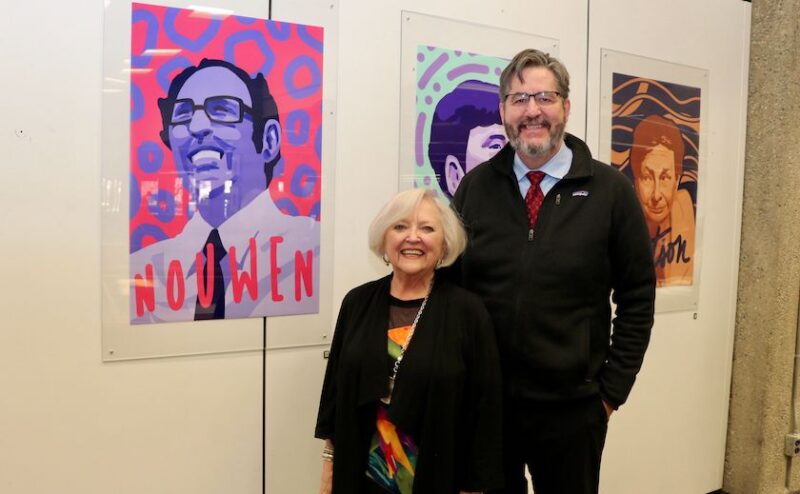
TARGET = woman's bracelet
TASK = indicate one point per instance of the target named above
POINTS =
(327, 454)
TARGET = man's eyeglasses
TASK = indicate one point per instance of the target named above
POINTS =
(542, 98)
(219, 109)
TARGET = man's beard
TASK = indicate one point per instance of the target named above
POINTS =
(556, 132)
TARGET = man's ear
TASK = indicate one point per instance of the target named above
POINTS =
(453, 173)
(272, 140)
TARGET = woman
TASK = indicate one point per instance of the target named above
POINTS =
(423, 418)
(657, 155)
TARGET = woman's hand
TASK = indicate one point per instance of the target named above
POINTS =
(609, 409)
(326, 483)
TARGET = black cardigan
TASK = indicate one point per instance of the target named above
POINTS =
(447, 395)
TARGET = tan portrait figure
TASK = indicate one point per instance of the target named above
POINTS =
(657, 162)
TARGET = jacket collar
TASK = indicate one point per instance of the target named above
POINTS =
(580, 167)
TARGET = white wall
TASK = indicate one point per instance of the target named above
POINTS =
(69, 423)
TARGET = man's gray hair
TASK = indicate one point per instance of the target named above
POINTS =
(534, 58)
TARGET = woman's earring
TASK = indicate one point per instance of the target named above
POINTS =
(385, 259)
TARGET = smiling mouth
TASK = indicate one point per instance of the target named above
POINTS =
(411, 252)
(204, 156)
(534, 126)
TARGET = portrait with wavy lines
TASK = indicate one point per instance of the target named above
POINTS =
(225, 166)
(655, 141)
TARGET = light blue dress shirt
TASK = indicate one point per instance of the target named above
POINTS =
(555, 169)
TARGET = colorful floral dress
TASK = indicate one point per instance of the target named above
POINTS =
(392, 453)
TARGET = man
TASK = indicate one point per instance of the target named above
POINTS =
(657, 162)
(545, 264)
(466, 130)
(238, 255)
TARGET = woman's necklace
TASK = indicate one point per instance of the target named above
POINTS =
(388, 398)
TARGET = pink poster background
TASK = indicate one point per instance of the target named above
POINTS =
(290, 58)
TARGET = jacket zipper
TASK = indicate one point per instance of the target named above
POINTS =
(530, 230)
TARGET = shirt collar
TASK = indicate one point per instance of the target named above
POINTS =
(556, 167)
(239, 227)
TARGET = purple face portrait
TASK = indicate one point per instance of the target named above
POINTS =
(466, 130)
(221, 144)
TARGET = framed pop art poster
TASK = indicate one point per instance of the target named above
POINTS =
(450, 117)
(652, 120)
(224, 177)
(458, 124)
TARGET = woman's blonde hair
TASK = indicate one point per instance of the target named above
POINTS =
(401, 206)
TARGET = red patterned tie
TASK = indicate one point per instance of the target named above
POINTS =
(534, 197)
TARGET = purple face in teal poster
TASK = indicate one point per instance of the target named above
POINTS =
(457, 115)
(466, 130)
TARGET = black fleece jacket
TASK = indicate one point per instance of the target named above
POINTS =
(549, 296)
